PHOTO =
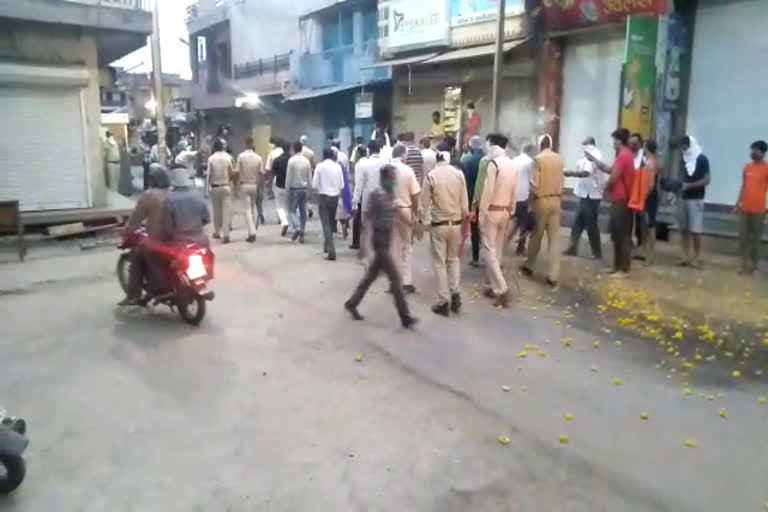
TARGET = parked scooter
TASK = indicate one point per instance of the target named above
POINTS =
(13, 442)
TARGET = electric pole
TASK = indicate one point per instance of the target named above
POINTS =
(498, 60)
(157, 79)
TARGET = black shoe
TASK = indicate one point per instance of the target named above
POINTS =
(225, 240)
(295, 236)
(301, 238)
(310, 213)
(440, 309)
(330, 258)
(474, 263)
(262, 220)
(284, 231)
(354, 247)
(353, 311)
(455, 302)
(408, 322)
(526, 271)
(597, 256)
(489, 294)
(551, 283)
(502, 300)
(571, 251)
(251, 239)
(409, 288)
(216, 236)
(638, 257)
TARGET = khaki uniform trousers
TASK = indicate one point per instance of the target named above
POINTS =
(221, 197)
(402, 244)
(249, 193)
(546, 212)
(446, 242)
(493, 238)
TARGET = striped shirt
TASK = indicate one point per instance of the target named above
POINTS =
(415, 161)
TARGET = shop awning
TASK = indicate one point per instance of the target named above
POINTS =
(414, 59)
(469, 53)
(321, 91)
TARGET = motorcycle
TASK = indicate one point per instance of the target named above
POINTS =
(13, 442)
(188, 270)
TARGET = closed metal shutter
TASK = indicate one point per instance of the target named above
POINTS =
(42, 150)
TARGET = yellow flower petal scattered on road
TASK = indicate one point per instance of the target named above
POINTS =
(643, 415)
(505, 389)
(722, 413)
(503, 440)
(687, 365)
(617, 343)
(602, 308)
(691, 443)
(567, 342)
(528, 346)
(710, 397)
(596, 344)
(499, 307)
(736, 374)
(678, 335)
(617, 382)
(697, 357)
(563, 439)
(761, 400)
(522, 354)
(568, 416)
(542, 353)
(592, 368)
(359, 358)
(533, 308)
(686, 391)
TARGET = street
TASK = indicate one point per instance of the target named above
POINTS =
(266, 406)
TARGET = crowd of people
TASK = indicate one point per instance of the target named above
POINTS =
(390, 195)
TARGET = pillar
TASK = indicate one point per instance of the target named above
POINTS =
(550, 87)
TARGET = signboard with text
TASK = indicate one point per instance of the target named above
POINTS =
(466, 12)
(418, 24)
(557, 15)
(639, 75)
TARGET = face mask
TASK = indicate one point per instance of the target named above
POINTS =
(388, 184)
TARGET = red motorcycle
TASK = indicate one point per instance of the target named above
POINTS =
(186, 270)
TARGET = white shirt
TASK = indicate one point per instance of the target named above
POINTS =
(328, 179)
(430, 159)
(639, 159)
(271, 157)
(523, 163)
(367, 178)
(590, 187)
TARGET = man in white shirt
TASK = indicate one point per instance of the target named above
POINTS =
(428, 155)
(298, 180)
(407, 191)
(275, 150)
(589, 190)
(521, 222)
(367, 179)
(328, 183)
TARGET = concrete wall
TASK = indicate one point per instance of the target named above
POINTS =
(41, 44)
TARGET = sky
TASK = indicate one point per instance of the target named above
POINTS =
(174, 54)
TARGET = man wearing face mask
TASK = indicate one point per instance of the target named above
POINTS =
(497, 206)
(444, 210)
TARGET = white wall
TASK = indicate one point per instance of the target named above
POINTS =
(728, 95)
(591, 91)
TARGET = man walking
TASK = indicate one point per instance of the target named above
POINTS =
(310, 155)
(445, 208)
(344, 209)
(297, 182)
(751, 206)
(279, 173)
(471, 165)
(522, 222)
(497, 206)
(619, 187)
(589, 190)
(361, 154)
(249, 172)
(379, 217)
(547, 189)
(328, 182)
(219, 176)
(276, 148)
(413, 157)
(407, 191)
(366, 179)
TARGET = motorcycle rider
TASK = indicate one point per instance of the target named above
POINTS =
(150, 211)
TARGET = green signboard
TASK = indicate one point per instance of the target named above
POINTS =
(639, 75)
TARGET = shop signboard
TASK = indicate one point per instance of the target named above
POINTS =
(639, 75)
(560, 15)
(466, 12)
(677, 45)
(364, 105)
(418, 24)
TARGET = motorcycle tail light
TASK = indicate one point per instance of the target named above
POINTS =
(195, 266)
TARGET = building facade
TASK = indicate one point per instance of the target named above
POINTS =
(51, 54)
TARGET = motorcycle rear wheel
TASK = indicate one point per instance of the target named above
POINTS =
(192, 311)
(123, 270)
(15, 470)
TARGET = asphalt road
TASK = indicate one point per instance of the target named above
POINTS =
(264, 406)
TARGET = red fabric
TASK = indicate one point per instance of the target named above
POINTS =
(640, 187)
(625, 164)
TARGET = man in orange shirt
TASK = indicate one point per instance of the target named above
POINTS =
(751, 205)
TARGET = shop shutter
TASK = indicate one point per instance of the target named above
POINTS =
(42, 152)
(728, 95)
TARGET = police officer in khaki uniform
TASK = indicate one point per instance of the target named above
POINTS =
(219, 176)
(249, 172)
(444, 210)
(547, 178)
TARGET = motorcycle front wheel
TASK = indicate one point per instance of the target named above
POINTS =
(15, 470)
(124, 271)
(192, 311)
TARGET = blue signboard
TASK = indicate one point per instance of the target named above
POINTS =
(465, 12)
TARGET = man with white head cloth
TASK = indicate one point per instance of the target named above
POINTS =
(547, 177)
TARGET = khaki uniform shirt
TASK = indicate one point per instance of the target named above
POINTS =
(500, 188)
(406, 186)
(150, 210)
(309, 155)
(220, 169)
(547, 176)
(444, 197)
(249, 167)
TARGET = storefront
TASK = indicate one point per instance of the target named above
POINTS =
(727, 101)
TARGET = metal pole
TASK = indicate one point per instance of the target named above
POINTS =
(157, 77)
(498, 60)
